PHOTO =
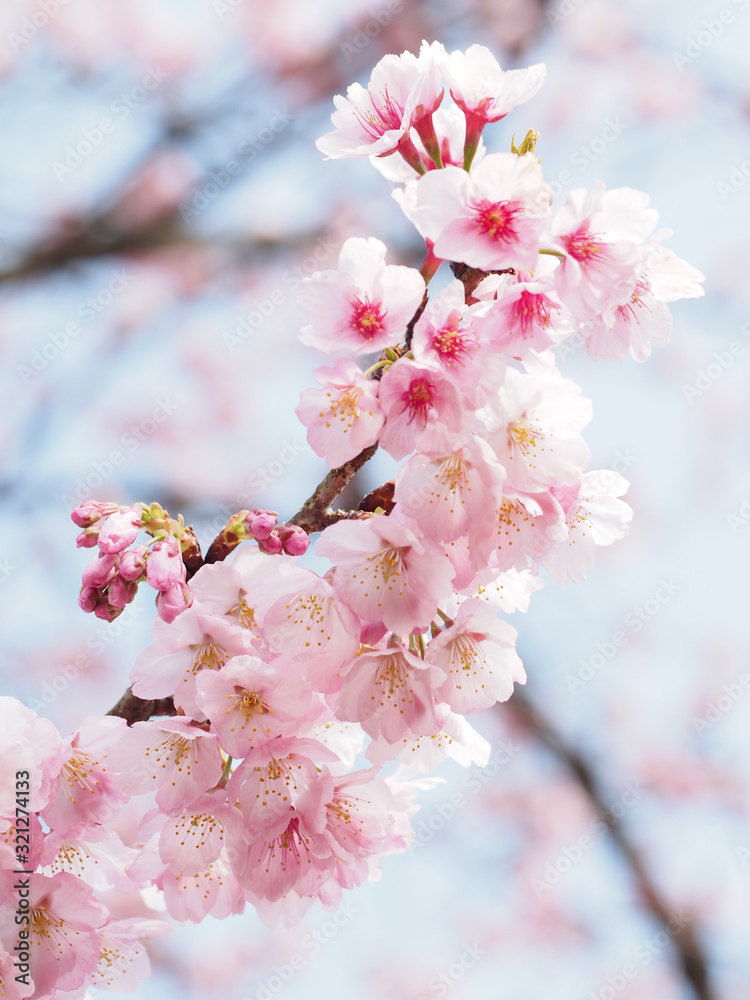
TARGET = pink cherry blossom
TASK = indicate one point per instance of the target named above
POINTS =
(481, 88)
(384, 572)
(390, 692)
(215, 892)
(344, 416)
(534, 427)
(87, 789)
(526, 314)
(422, 407)
(446, 495)
(478, 656)
(599, 232)
(63, 939)
(525, 528)
(310, 627)
(445, 337)
(250, 702)
(277, 778)
(194, 641)
(123, 959)
(363, 306)
(178, 759)
(492, 218)
(27, 744)
(593, 516)
(402, 91)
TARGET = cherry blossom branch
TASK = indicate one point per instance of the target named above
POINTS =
(133, 709)
(316, 512)
(690, 955)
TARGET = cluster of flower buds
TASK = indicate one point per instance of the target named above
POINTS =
(111, 578)
(287, 681)
(262, 525)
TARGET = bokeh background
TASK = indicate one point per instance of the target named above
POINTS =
(147, 330)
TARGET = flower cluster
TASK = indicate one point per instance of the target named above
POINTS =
(310, 706)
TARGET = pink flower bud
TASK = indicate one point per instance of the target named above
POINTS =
(272, 545)
(120, 529)
(170, 603)
(88, 538)
(121, 592)
(86, 514)
(260, 523)
(99, 570)
(132, 564)
(165, 567)
(106, 612)
(88, 598)
(294, 539)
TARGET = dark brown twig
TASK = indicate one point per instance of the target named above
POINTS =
(690, 956)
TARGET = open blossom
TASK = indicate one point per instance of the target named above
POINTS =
(478, 656)
(480, 87)
(521, 313)
(642, 318)
(447, 494)
(422, 408)
(123, 959)
(278, 778)
(523, 530)
(63, 939)
(594, 515)
(390, 692)
(491, 218)
(450, 129)
(309, 627)
(599, 233)
(250, 702)
(193, 642)
(445, 337)
(27, 743)
(534, 426)
(179, 760)
(86, 787)
(344, 416)
(384, 572)
(403, 90)
(362, 306)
